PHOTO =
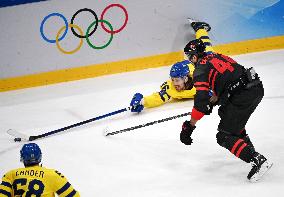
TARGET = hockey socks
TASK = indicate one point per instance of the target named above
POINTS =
(244, 149)
(236, 146)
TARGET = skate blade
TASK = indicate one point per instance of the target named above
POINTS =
(191, 20)
(264, 168)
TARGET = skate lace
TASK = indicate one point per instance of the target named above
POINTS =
(258, 160)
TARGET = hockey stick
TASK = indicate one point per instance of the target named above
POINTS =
(107, 132)
(19, 136)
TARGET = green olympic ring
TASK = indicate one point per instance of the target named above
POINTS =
(111, 34)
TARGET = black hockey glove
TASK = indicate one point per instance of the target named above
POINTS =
(185, 134)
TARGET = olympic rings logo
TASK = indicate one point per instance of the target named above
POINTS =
(89, 33)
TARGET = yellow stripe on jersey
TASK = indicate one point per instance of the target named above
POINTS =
(67, 190)
(5, 189)
(203, 35)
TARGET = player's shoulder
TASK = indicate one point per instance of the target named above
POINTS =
(200, 69)
(53, 175)
(168, 87)
(15, 171)
(53, 172)
(9, 173)
(202, 66)
(166, 83)
(207, 59)
(59, 174)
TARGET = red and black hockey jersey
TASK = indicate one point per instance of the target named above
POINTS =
(215, 72)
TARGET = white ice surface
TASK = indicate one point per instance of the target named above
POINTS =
(150, 161)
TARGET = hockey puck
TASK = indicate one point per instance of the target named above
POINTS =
(18, 139)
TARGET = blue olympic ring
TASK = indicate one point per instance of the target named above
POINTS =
(45, 19)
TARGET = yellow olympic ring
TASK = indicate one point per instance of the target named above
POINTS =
(81, 39)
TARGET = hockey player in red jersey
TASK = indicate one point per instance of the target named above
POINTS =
(179, 86)
(239, 91)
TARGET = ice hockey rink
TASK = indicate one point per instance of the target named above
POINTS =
(150, 161)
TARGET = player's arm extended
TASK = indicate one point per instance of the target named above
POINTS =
(6, 187)
(183, 94)
(158, 98)
(167, 92)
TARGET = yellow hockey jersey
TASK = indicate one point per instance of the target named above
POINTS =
(35, 181)
(168, 90)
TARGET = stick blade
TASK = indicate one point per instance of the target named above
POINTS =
(18, 136)
(106, 131)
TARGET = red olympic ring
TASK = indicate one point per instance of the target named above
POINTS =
(125, 22)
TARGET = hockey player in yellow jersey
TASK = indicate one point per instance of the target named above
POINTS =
(180, 85)
(33, 179)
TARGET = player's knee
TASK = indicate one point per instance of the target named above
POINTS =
(221, 138)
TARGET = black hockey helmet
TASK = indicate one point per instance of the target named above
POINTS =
(194, 47)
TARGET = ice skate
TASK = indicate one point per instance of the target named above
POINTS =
(196, 25)
(260, 165)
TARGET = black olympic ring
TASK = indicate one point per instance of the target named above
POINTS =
(81, 35)
(96, 25)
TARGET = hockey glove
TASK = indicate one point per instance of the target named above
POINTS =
(136, 103)
(185, 134)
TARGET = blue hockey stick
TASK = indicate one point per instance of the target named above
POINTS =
(21, 137)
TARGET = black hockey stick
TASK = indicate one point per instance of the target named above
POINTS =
(22, 137)
(107, 132)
